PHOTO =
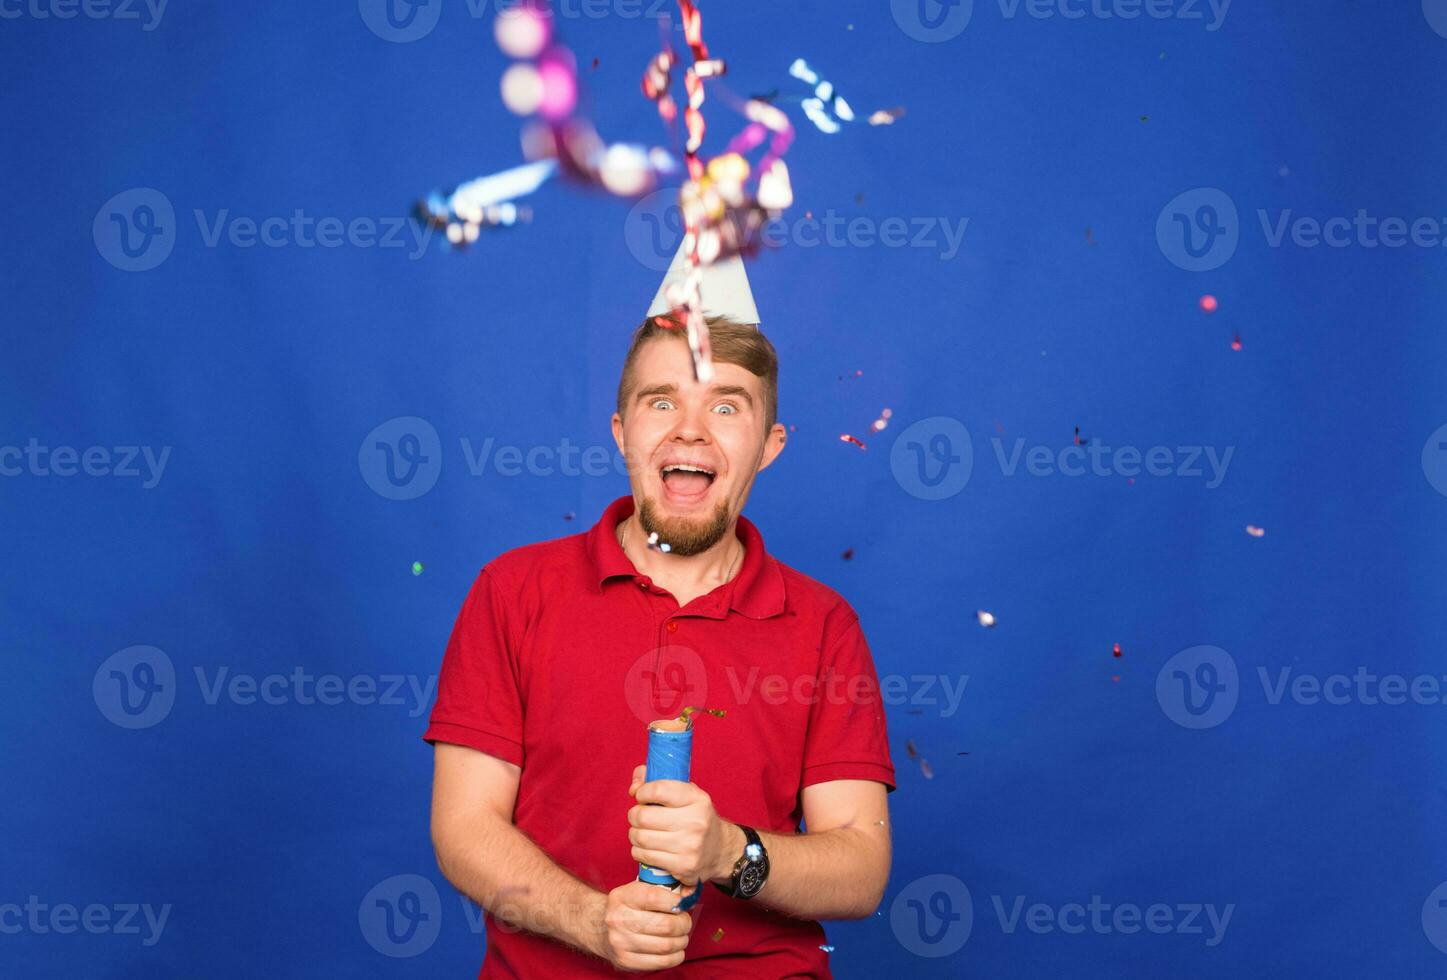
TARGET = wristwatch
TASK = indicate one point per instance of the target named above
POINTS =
(751, 870)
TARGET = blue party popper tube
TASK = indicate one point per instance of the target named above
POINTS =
(670, 748)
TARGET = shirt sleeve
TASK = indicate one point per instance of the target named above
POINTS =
(848, 738)
(479, 700)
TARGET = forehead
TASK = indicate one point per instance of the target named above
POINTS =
(666, 360)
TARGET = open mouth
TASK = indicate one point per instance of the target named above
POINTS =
(685, 483)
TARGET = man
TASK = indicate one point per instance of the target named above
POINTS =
(565, 650)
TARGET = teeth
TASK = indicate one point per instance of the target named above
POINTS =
(686, 468)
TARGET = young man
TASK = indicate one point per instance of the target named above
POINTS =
(565, 650)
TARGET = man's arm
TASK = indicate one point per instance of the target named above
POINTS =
(837, 870)
(492, 862)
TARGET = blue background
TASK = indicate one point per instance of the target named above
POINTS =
(263, 548)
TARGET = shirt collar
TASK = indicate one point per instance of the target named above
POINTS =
(757, 590)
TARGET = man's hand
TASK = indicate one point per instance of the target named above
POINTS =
(642, 932)
(684, 835)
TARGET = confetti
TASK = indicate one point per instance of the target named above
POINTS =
(848, 554)
(886, 117)
(1236, 342)
(846, 437)
(879, 424)
(1145, 118)
(1208, 303)
(687, 713)
(1255, 532)
(826, 109)
(487, 202)
(1116, 651)
(827, 948)
(416, 568)
(1089, 235)
(926, 770)
(910, 750)
(1115, 678)
(718, 934)
(1079, 441)
(569, 516)
(986, 619)
(655, 545)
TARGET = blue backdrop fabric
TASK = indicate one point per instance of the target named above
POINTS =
(243, 394)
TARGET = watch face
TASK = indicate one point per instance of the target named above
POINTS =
(751, 879)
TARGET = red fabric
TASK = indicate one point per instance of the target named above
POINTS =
(563, 653)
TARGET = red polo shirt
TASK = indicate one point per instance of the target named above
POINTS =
(562, 654)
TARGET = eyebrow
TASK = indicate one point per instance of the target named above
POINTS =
(672, 389)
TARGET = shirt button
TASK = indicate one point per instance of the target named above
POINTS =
(672, 626)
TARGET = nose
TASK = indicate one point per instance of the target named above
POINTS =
(692, 425)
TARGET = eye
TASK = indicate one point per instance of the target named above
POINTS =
(726, 408)
(663, 403)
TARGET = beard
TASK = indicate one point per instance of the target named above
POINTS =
(684, 536)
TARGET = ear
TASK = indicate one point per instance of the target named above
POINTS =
(618, 433)
(774, 442)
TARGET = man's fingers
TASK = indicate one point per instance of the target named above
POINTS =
(639, 962)
(652, 898)
(669, 792)
(665, 924)
(653, 840)
(652, 817)
(657, 859)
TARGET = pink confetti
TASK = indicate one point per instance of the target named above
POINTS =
(846, 437)
(1255, 532)
(1208, 304)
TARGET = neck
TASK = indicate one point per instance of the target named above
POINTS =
(686, 576)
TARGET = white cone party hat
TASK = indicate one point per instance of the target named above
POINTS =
(724, 288)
